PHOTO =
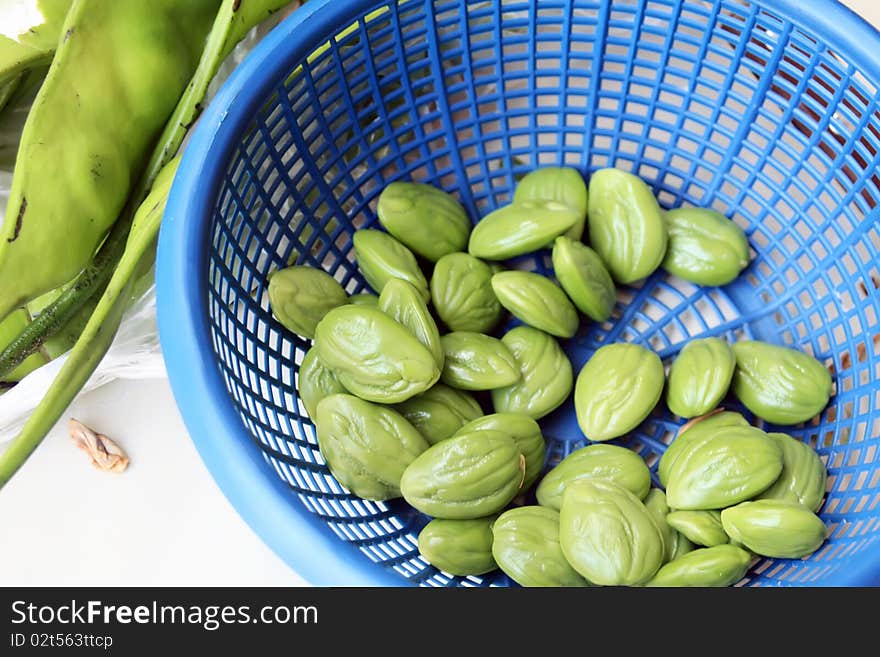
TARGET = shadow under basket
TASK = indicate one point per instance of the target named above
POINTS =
(765, 110)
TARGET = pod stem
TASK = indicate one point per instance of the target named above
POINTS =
(56, 315)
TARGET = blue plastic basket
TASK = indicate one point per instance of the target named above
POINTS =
(766, 110)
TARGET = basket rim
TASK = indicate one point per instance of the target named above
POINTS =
(305, 542)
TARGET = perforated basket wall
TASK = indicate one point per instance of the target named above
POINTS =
(740, 106)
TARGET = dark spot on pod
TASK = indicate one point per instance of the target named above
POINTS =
(18, 221)
(236, 5)
(69, 33)
(197, 112)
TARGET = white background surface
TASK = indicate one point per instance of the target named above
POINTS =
(162, 523)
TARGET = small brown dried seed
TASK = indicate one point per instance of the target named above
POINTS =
(103, 452)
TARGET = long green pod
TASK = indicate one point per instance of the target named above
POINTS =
(233, 21)
(118, 73)
(98, 334)
(31, 29)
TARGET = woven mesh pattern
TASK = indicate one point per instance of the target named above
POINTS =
(724, 104)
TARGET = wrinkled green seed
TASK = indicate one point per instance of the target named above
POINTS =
(458, 547)
(537, 301)
(439, 412)
(705, 247)
(608, 462)
(700, 377)
(773, 528)
(723, 468)
(562, 185)
(424, 218)
(778, 384)
(584, 278)
(681, 546)
(717, 566)
(626, 225)
(700, 527)
(474, 361)
(608, 535)
(373, 356)
(461, 288)
(803, 474)
(520, 228)
(316, 381)
(524, 431)
(301, 296)
(617, 389)
(656, 504)
(364, 299)
(367, 447)
(381, 258)
(698, 428)
(546, 377)
(471, 475)
(402, 303)
(526, 547)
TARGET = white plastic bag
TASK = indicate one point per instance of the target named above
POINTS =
(135, 354)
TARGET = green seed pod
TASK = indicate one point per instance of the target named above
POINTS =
(526, 548)
(440, 411)
(626, 225)
(316, 381)
(780, 385)
(617, 389)
(474, 361)
(608, 535)
(546, 378)
(364, 299)
(520, 228)
(608, 462)
(458, 547)
(773, 528)
(367, 447)
(429, 221)
(584, 278)
(300, 297)
(537, 301)
(563, 185)
(402, 303)
(525, 433)
(373, 356)
(700, 377)
(705, 247)
(717, 566)
(696, 428)
(461, 288)
(381, 258)
(803, 474)
(469, 476)
(118, 73)
(700, 527)
(725, 467)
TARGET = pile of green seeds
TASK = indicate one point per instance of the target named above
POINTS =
(390, 380)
